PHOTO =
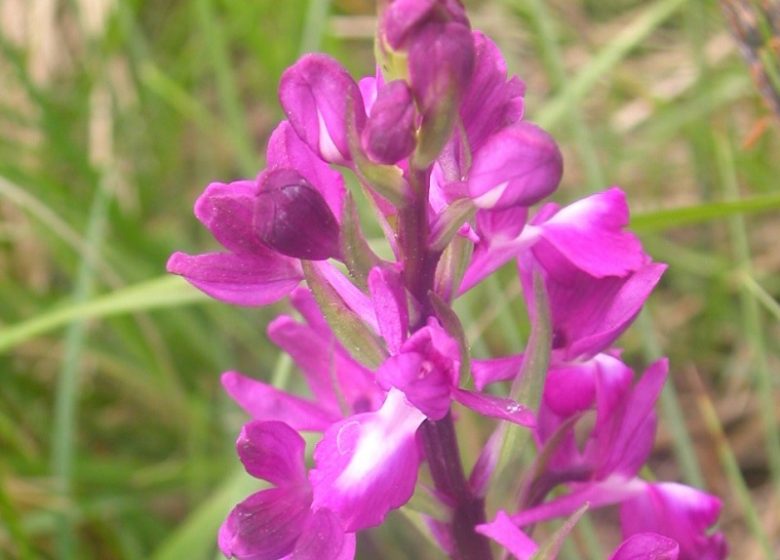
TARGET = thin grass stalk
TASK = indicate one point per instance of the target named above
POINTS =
(624, 42)
(731, 468)
(670, 407)
(314, 25)
(751, 316)
(63, 446)
(556, 70)
(229, 99)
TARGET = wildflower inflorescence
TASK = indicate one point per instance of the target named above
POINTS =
(438, 144)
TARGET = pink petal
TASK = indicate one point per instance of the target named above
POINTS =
(388, 297)
(624, 435)
(226, 210)
(588, 313)
(496, 407)
(611, 491)
(425, 386)
(331, 373)
(492, 370)
(506, 533)
(240, 279)
(366, 465)
(679, 512)
(492, 100)
(263, 402)
(518, 165)
(273, 451)
(590, 234)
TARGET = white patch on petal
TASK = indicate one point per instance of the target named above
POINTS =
(328, 149)
(379, 439)
(491, 197)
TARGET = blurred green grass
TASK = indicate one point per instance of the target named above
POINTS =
(116, 440)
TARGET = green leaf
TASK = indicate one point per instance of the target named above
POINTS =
(358, 256)
(348, 327)
(700, 213)
(527, 386)
(449, 222)
(166, 291)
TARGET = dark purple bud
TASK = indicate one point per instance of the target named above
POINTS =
(292, 217)
(389, 135)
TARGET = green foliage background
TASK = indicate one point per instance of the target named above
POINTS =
(115, 439)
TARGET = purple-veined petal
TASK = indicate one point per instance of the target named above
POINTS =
(506, 533)
(519, 165)
(496, 407)
(273, 451)
(426, 369)
(388, 296)
(366, 465)
(317, 94)
(240, 279)
(492, 370)
(266, 525)
(287, 150)
(323, 538)
(647, 546)
(425, 386)
(264, 402)
(226, 211)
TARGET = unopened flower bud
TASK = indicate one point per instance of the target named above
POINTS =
(404, 17)
(518, 166)
(389, 135)
(292, 217)
(320, 98)
(441, 62)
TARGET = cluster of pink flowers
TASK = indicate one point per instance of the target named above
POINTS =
(437, 143)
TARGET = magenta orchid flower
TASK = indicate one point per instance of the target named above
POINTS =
(260, 224)
(436, 142)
